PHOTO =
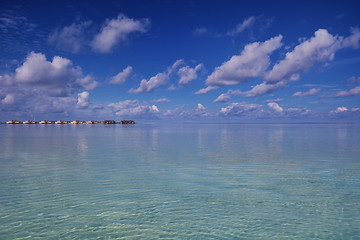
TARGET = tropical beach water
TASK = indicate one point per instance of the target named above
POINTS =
(180, 181)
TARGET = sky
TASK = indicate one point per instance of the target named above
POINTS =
(252, 61)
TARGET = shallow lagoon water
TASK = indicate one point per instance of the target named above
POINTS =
(180, 181)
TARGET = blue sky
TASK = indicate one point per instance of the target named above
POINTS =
(180, 60)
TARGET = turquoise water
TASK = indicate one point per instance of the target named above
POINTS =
(180, 181)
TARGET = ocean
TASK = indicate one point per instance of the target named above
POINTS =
(180, 181)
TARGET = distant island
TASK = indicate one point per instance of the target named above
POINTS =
(70, 122)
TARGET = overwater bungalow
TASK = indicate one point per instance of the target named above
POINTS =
(127, 122)
(77, 122)
(46, 122)
(108, 122)
(61, 122)
(13, 122)
(92, 122)
(29, 122)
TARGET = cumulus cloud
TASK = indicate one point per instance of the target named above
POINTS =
(133, 108)
(252, 61)
(274, 106)
(351, 92)
(59, 73)
(311, 92)
(154, 108)
(188, 74)
(39, 86)
(83, 100)
(344, 112)
(158, 80)
(200, 107)
(117, 30)
(247, 23)
(339, 110)
(200, 111)
(71, 37)
(122, 76)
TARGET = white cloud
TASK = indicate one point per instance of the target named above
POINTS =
(344, 112)
(263, 88)
(224, 97)
(206, 90)
(117, 30)
(133, 108)
(353, 40)
(200, 107)
(274, 106)
(188, 74)
(351, 92)
(87, 82)
(158, 80)
(47, 88)
(59, 74)
(122, 76)
(9, 99)
(298, 112)
(179, 112)
(83, 100)
(171, 88)
(36, 69)
(241, 109)
(339, 110)
(255, 111)
(247, 23)
(311, 92)
(175, 66)
(70, 37)
(161, 100)
(252, 61)
(154, 108)
(320, 48)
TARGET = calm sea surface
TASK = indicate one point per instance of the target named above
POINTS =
(180, 181)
